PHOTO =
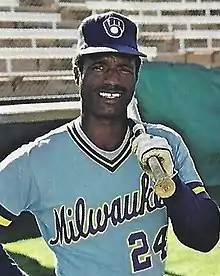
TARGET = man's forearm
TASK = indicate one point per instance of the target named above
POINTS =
(195, 219)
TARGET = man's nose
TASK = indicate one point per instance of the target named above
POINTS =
(112, 77)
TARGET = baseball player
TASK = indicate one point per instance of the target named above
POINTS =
(90, 184)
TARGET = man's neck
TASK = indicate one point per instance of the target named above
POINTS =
(106, 134)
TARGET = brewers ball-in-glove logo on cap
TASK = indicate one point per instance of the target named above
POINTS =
(108, 32)
(114, 27)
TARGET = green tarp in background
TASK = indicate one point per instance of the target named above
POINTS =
(187, 98)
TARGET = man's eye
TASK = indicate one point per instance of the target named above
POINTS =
(98, 68)
(126, 70)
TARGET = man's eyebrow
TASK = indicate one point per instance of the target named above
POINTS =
(127, 63)
(94, 62)
(123, 62)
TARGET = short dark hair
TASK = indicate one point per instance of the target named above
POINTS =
(79, 61)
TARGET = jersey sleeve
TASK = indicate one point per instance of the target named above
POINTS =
(18, 190)
(184, 163)
(186, 169)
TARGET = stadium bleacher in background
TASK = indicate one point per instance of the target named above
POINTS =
(38, 38)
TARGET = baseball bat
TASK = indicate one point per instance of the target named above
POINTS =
(139, 128)
(164, 185)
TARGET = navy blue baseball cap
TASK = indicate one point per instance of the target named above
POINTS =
(108, 32)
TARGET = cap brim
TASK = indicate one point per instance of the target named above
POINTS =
(113, 49)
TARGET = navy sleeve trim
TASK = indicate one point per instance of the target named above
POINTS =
(6, 217)
(198, 188)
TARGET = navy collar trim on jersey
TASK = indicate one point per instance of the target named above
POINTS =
(110, 164)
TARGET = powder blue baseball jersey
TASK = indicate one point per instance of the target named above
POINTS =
(97, 210)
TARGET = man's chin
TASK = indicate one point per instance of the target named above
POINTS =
(111, 115)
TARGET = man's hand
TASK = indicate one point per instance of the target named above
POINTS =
(146, 146)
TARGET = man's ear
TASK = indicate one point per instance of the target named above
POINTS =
(77, 75)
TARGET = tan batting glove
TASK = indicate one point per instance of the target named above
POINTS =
(146, 146)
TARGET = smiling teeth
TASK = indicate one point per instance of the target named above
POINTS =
(110, 95)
